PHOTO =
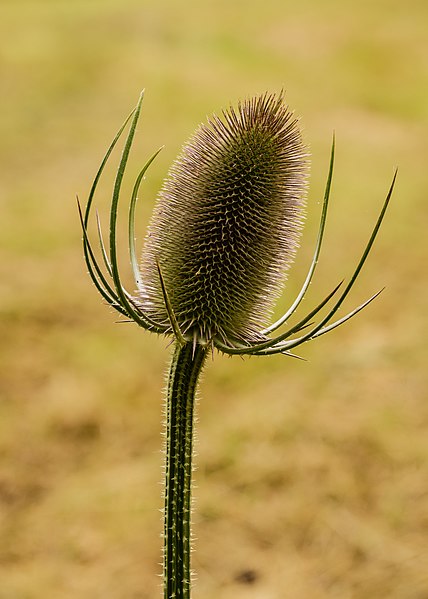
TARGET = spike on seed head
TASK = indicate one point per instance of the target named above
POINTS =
(227, 221)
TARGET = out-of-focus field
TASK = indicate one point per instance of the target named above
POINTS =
(312, 479)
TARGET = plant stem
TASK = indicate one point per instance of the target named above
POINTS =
(183, 376)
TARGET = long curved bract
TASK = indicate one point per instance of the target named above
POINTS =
(137, 315)
(116, 295)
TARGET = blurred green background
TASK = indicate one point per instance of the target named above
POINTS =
(312, 477)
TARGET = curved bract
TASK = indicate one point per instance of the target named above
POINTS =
(114, 293)
(222, 235)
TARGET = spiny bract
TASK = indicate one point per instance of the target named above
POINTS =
(226, 223)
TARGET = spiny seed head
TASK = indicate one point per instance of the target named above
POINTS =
(227, 221)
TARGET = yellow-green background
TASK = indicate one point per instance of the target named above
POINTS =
(312, 477)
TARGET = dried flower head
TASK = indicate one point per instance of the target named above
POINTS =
(227, 221)
(224, 231)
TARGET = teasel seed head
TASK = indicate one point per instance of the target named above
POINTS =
(227, 222)
(224, 231)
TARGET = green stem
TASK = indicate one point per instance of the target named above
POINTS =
(183, 376)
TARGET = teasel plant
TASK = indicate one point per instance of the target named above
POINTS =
(224, 230)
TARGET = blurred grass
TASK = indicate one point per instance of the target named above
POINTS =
(312, 478)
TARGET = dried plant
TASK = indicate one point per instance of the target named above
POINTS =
(224, 231)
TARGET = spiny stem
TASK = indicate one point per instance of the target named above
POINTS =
(183, 376)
